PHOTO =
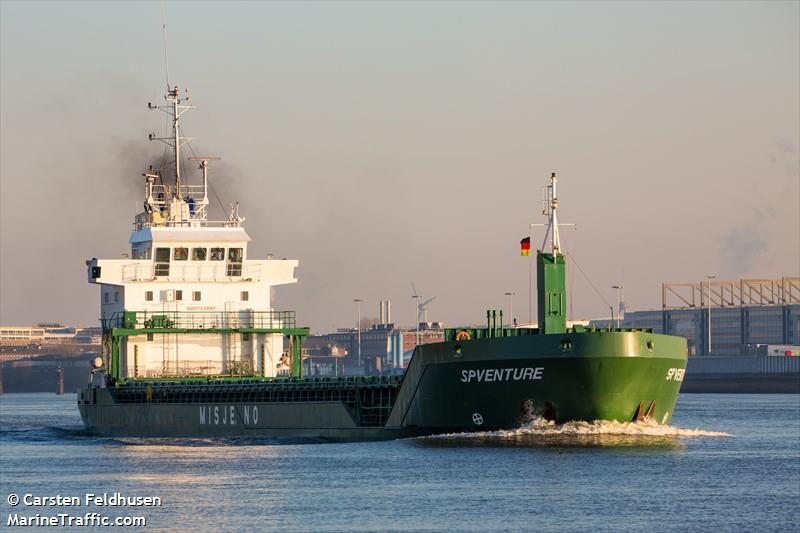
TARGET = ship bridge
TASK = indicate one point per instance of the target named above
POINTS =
(188, 300)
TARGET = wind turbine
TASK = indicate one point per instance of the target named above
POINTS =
(422, 305)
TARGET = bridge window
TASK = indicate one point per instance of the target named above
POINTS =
(148, 296)
(141, 252)
(178, 295)
(234, 261)
(245, 296)
(105, 297)
(196, 296)
(218, 254)
(162, 262)
(235, 255)
(199, 254)
(181, 254)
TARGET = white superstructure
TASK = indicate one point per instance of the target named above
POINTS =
(186, 275)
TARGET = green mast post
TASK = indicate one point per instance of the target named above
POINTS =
(551, 270)
(551, 286)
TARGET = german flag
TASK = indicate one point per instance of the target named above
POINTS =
(525, 245)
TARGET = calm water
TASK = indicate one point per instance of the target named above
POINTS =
(569, 478)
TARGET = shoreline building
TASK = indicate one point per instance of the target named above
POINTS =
(385, 347)
(746, 316)
(48, 334)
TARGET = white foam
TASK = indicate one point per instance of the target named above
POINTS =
(539, 427)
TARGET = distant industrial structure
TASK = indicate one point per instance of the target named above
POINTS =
(746, 316)
(385, 347)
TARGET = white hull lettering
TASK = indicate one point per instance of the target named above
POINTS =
(488, 375)
(675, 374)
(225, 415)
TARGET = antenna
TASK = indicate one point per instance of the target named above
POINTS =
(173, 109)
(164, 30)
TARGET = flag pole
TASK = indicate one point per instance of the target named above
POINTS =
(525, 245)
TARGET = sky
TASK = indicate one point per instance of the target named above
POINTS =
(387, 143)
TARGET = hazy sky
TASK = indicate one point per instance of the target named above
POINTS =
(382, 143)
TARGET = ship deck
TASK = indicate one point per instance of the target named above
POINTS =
(368, 398)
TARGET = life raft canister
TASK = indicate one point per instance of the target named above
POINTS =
(463, 335)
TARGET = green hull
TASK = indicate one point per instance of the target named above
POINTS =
(604, 376)
(473, 385)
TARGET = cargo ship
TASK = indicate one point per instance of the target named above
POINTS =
(193, 347)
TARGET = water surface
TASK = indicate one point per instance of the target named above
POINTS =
(729, 462)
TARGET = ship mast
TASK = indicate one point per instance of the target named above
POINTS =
(550, 211)
(551, 268)
(175, 110)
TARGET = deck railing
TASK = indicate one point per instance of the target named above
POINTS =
(143, 221)
(198, 320)
(175, 271)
